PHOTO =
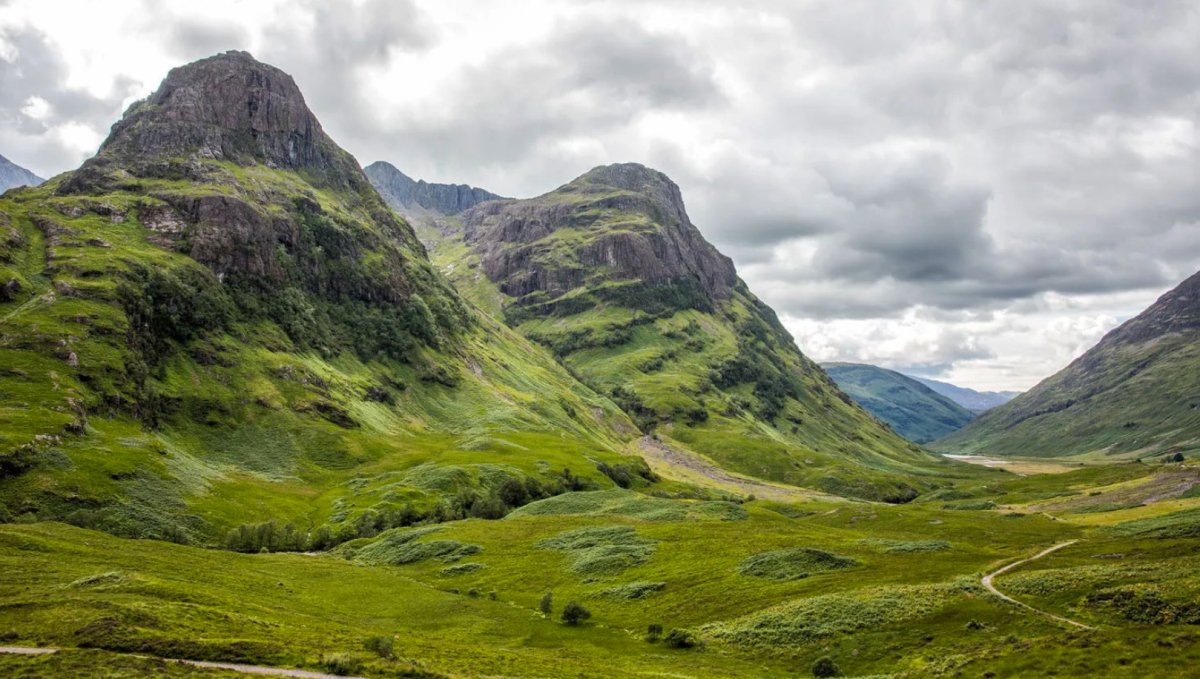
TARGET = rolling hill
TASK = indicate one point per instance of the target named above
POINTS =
(1135, 394)
(911, 409)
(609, 274)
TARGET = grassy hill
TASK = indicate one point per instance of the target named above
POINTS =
(910, 408)
(609, 274)
(1134, 394)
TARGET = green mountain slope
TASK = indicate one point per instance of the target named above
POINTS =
(610, 274)
(912, 409)
(216, 321)
(1136, 393)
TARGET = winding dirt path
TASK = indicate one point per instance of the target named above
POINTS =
(259, 670)
(688, 466)
(987, 583)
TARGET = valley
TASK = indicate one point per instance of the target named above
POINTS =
(261, 407)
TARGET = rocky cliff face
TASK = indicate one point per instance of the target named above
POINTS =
(13, 175)
(617, 222)
(406, 195)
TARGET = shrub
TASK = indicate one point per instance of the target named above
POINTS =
(381, 646)
(340, 664)
(633, 590)
(825, 667)
(574, 614)
(653, 633)
(793, 564)
(546, 605)
(681, 638)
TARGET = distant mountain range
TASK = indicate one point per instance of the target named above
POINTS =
(913, 410)
(1135, 394)
(975, 401)
(406, 195)
(13, 175)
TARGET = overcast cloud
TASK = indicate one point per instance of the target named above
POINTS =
(971, 190)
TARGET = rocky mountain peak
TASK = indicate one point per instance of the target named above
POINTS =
(622, 222)
(226, 107)
(407, 195)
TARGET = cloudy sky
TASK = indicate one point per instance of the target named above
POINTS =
(973, 190)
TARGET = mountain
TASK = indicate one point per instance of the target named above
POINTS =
(216, 322)
(910, 408)
(975, 401)
(406, 195)
(610, 274)
(13, 175)
(1136, 393)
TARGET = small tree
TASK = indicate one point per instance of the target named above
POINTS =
(546, 605)
(573, 613)
(825, 667)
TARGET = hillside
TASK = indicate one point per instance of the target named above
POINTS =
(13, 175)
(408, 196)
(910, 408)
(609, 274)
(974, 401)
(1132, 395)
(216, 322)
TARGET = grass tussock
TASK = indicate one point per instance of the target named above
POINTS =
(633, 590)
(605, 550)
(793, 564)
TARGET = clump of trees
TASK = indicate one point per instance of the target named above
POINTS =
(575, 614)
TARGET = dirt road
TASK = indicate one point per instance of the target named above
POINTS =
(987, 583)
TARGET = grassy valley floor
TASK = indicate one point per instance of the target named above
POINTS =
(758, 589)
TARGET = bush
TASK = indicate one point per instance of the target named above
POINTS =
(381, 646)
(574, 614)
(340, 664)
(653, 633)
(681, 638)
(546, 605)
(825, 667)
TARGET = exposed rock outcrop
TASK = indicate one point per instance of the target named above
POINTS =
(626, 222)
